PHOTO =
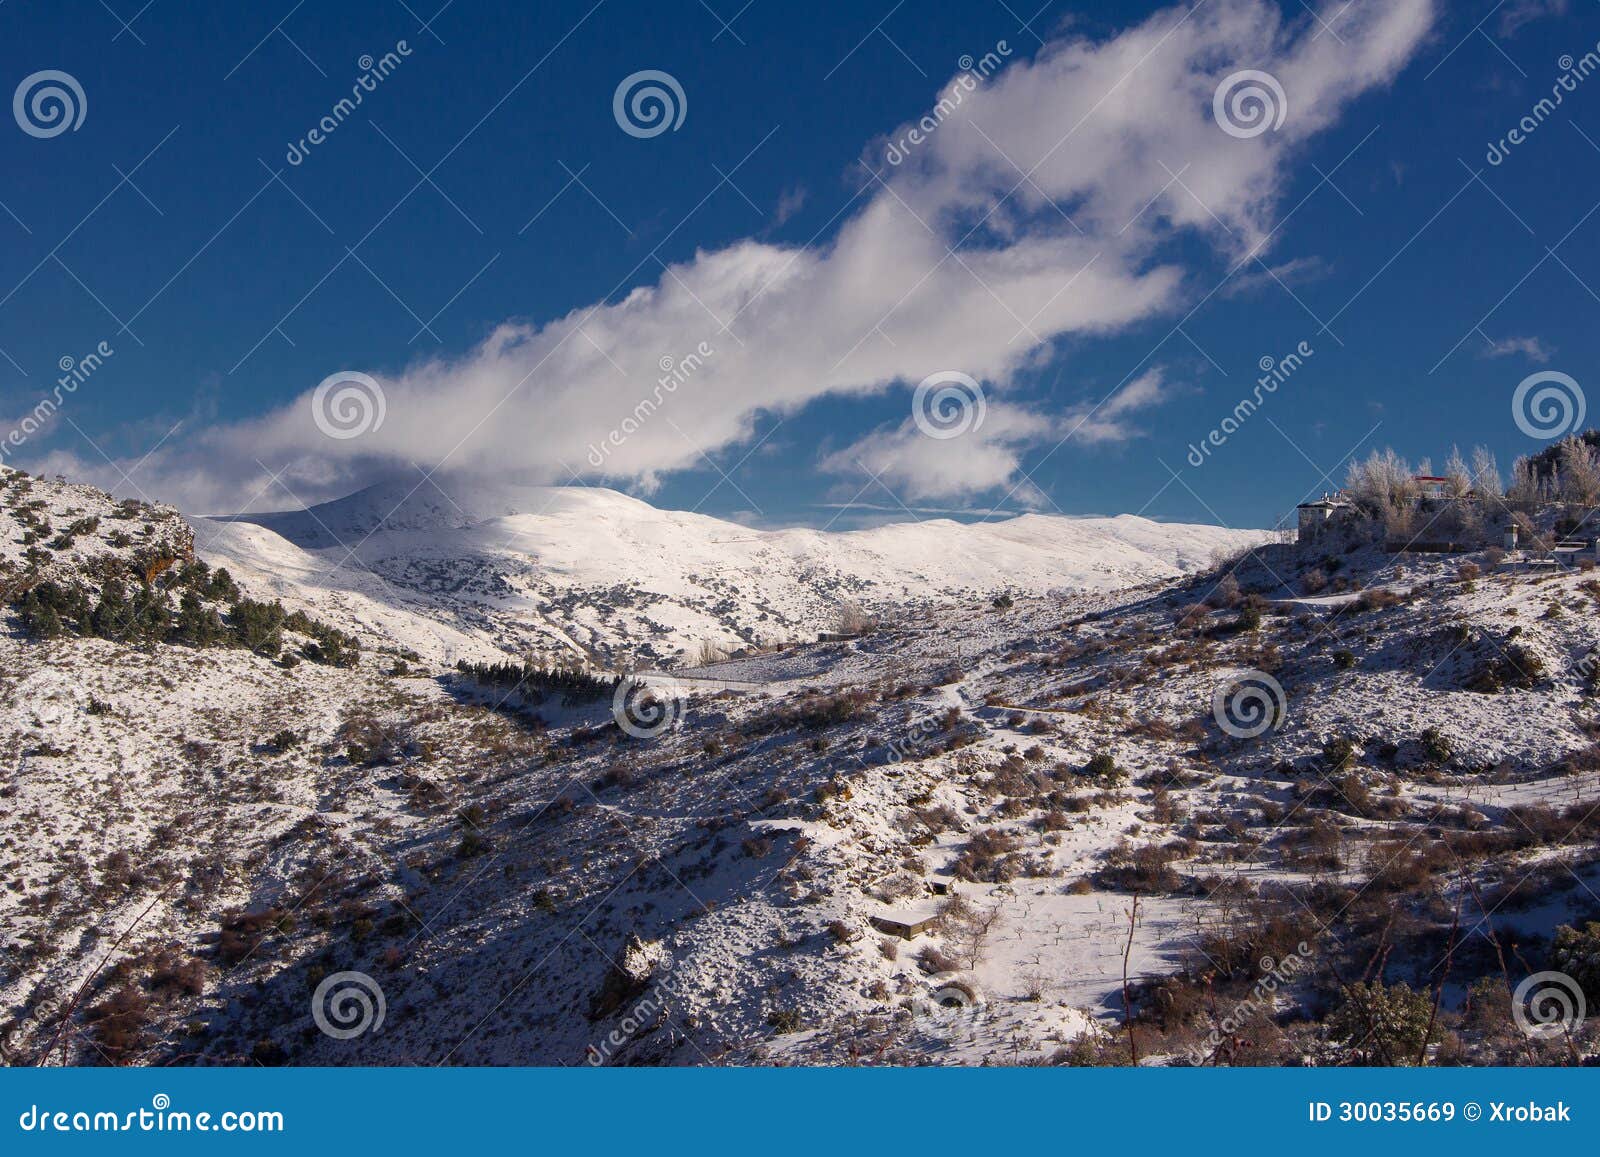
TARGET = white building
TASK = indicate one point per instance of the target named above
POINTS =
(1316, 517)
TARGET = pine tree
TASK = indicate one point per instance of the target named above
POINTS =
(221, 588)
(112, 617)
(39, 618)
(198, 625)
(150, 615)
(258, 626)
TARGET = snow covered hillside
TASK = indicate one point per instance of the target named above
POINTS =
(1257, 815)
(564, 570)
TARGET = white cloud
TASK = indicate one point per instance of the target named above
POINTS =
(917, 467)
(1532, 348)
(1082, 247)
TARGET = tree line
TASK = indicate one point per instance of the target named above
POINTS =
(146, 614)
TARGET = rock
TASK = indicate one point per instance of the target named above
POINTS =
(627, 979)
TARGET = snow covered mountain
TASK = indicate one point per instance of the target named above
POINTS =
(580, 569)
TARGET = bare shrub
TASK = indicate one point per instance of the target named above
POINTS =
(968, 928)
(852, 620)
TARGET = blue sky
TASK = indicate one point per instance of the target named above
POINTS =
(485, 182)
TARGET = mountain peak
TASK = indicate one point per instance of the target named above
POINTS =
(426, 503)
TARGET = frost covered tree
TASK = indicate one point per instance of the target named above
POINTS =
(1526, 491)
(1487, 486)
(1462, 517)
(1380, 482)
(1382, 485)
(1458, 477)
(1579, 473)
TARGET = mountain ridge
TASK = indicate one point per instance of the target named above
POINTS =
(551, 570)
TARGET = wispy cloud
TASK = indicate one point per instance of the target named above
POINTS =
(792, 201)
(1513, 16)
(1295, 271)
(1530, 347)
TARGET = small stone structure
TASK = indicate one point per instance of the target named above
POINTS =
(904, 924)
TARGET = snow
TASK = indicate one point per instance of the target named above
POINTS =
(746, 854)
(563, 570)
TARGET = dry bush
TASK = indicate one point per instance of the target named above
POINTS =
(182, 975)
(243, 930)
(1377, 599)
(1143, 869)
(990, 857)
(119, 1021)
(371, 742)
(1400, 866)
(1226, 595)
(852, 620)
(932, 960)
(1316, 847)
(1235, 946)
(708, 652)
(815, 710)
(898, 886)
